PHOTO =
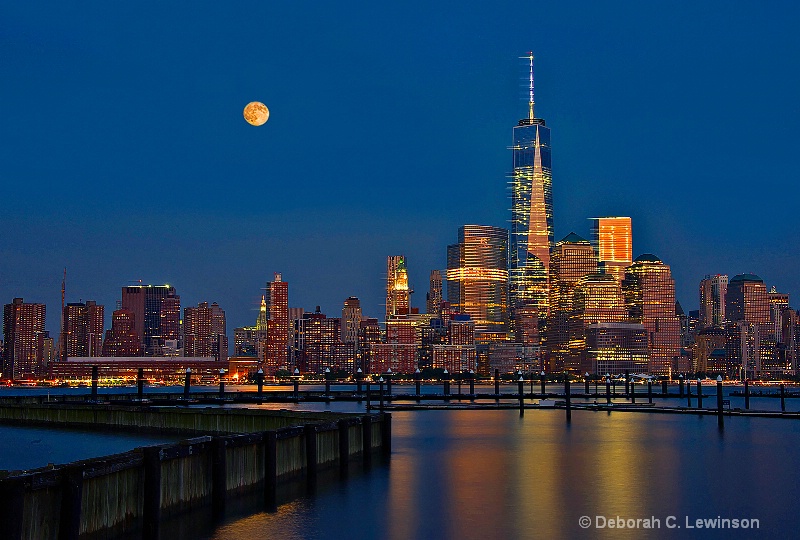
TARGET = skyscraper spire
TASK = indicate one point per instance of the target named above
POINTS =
(530, 86)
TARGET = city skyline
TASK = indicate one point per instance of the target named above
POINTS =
(132, 139)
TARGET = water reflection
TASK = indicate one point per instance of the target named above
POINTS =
(490, 474)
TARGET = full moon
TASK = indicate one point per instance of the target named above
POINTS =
(256, 113)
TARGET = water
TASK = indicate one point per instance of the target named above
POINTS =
(23, 448)
(492, 474)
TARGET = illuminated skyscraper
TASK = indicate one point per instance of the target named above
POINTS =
(751, 335)
(24, 339)
(278, 336)
(83, 329)
(613, 241)
(147, 302)
(434, 299)
(572, 259)
(531, 237)
(597, 299)
(712, 300)
(351, 321)
(650, 298)
(477, 278)
(398, 293)
(204, 331)
(122, 339)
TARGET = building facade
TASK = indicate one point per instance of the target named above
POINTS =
(477, 279)
(613, 240)
(25, 341)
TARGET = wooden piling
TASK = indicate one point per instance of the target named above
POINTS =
(140, 384)
(544, 389)
(567, 396)
(310, 432)
(260, 382)
(699, 394)
(366, 438)
(471, 383)
(187, 381)
(151, 510)
(650, 391)
(418, 382)
(344, 443)
(633, 391)
(380, 393)
(297, 389)
(12, 495)
(627, 381)
(71, 495)
(270, 468)
(688, 394)
(680, 386)
(664, 388)
(497, 382)
(94, 383)
(521, 390)
(783, 398)
(219, 476)
(608, 391)
(746, 394)
(446, 382)
(720, 417)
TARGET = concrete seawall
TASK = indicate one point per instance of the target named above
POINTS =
(244, 451)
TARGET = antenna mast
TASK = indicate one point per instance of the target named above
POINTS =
(62, 340)
(530, 86)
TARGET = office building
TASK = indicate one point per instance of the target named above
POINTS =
(477, 279)
(156, 315)
(613, 241)
(83, 329)
(572, 259)
(204, 332)
(278, 334)
(398, 291)
(531, 237)
(650, 299)
(122, 339)
(26, 344)
(597, 299)
(615, 348)
(433, 302)
(713, 289)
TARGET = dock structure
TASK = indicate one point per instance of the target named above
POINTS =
(228, 452)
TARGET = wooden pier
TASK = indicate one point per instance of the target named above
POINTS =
(230, 452)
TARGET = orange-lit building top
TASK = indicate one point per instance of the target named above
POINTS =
(613, 240)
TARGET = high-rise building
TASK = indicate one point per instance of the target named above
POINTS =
(278, 335)
(751, 335)
(434, 298)
(398, 292)
(351, 321)
(316, 339)
(613, 240)
(122, 339)
(399, 351)
(778, 303)
(712, 300)
(150, 308)
(614, 348)
(531, 237)
(650, 298)
(597, 299)
(204, 332)
(572, 259)
(747, 300)
(25, 340)
(252, 340)
(83, 329)
(477, 279)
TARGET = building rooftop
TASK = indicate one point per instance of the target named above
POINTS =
(747, 277)
(648, 257)
(573, 238)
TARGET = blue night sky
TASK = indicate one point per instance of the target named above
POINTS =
(124, 154)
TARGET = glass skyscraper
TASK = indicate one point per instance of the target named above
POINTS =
(531, 237)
